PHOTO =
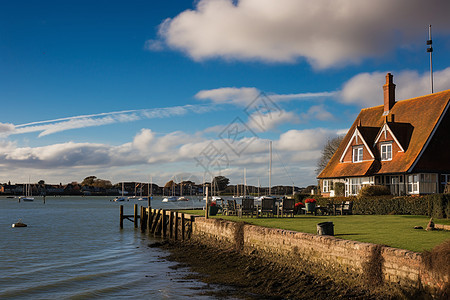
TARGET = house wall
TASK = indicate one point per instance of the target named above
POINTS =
(321, 254)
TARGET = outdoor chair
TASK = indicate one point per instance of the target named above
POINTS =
(268, 206)
(345, 208)
(288, 207)
(231, 208)
(247, 207)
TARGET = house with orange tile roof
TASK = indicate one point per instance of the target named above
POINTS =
(404, 145)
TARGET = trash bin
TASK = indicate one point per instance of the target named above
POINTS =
(325, 228)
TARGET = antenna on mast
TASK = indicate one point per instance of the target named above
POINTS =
(430, 50)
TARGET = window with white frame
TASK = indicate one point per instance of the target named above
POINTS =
(358, 154)
(386, 151)
(326, 187)
(413, 184)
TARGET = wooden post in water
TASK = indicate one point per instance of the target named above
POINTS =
(121, 217)
(155, 221)
(170, 224)
(149, 220)
(163, 224)
(135, 216)
(182, 226)
(176, 226)
(143, 219)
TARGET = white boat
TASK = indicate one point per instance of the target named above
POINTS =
(142, 198)
(28, 197)
(170, 199)
(182, 198)
(120, 198)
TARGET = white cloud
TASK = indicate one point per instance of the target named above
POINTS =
(325, 32)
(261, 122)
(230, 95)
(246, 95)
(317, 112)
(366, 89)
(304, 140)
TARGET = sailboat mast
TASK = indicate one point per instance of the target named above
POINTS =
(245, 182)
(270, 168)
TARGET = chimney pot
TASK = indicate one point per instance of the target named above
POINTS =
(389, 94)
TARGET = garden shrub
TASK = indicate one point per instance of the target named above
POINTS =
(339, 189)
(301, 197)
(374, 190)
(435, 205)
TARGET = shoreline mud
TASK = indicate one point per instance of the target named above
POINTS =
(247, 276)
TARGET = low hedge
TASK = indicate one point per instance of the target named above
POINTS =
(436, 205)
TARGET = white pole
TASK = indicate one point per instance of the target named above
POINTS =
(270, 168)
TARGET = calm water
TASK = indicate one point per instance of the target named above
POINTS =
(73, 248)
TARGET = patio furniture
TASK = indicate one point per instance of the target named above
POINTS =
(287, 207)
(346, 208)
(247, 207)
(268, 206)
(231, 209)
(310, 208)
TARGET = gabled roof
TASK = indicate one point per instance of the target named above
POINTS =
(366, 135)
(414, 122)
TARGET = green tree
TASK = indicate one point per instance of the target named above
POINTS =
(89, 181)
(220, 182)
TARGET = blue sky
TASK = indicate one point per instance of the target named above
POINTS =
(128, 90)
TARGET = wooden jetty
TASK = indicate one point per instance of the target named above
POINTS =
(159, 222)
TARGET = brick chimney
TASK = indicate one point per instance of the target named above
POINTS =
(389, 94)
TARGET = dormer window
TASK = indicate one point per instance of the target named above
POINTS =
(358, 154)
(386, 151)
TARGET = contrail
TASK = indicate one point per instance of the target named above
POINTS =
(47, 127)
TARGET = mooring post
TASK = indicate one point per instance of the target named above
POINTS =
(175, 230)
(155, 221)
(121, 216)
(149, 220)
(171, 233)
(135, 215)
(182, 226)
(163, 224)
(142, 220)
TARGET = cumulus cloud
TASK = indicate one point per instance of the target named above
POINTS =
(304, 140)
(366, 89)
(324, 32)
(261, 122)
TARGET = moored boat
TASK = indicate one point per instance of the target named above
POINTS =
(170, 199)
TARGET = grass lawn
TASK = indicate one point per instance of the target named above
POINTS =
(393, 231)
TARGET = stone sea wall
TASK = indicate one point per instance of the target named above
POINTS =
(344, 260)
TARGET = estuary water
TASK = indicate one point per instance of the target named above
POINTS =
(73, 248)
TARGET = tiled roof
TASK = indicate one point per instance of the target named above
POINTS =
(414, 121)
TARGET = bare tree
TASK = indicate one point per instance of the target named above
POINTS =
(327, 152)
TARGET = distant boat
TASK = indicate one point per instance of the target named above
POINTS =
(170, 199)
(120, 198)
(182, 198)
(142, 198)
(28, 197)
(19, 224)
